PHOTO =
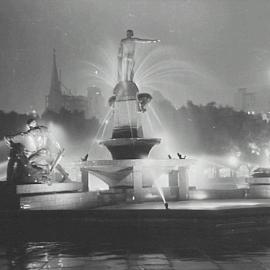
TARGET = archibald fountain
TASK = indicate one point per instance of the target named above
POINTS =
(130, 169)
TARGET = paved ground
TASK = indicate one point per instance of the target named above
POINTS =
(181, 251)
(196, 205)
(70, 256)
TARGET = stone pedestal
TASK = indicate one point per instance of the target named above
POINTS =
(173, 178)
(259, 187)
(183, 183)
(85, 178)
(140, 175)
(137, 176)
(179, 178)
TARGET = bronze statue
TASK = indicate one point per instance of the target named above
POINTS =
(126, 55)
(33, 156)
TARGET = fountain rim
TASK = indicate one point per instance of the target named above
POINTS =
(125, 141)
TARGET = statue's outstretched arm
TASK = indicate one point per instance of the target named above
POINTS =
(145, 40)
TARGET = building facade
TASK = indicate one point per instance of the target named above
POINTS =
(93, 104)
(245, 101)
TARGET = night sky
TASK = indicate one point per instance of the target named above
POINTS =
(208, 48)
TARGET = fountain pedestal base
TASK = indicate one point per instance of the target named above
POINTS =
(142, 179)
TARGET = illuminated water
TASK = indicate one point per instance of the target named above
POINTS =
(157, 68)
(3, 170)
(100, 133)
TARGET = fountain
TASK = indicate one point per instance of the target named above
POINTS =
(130, 169)
(127, 140)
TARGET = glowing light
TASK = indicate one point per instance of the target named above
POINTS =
(200, 195)
(233, 161)
(25, 206)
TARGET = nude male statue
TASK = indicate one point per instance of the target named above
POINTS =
(126, 55)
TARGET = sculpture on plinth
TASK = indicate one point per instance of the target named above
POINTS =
(127, 140)
(128, 171)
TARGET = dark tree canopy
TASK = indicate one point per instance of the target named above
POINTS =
(215, 130)
(196, 129)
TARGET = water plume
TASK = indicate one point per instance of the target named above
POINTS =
(157, 68)
(3, 170)
(101, 129)
(153, 111)
(158, 184)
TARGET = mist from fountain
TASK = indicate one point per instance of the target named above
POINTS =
(103, 73)
(3, 170)
(4, 150)
(158, 185)
(156, 69)
(102, 129)
(149, 122)
(153, 111)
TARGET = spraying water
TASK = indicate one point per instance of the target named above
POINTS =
(149, 122)
(161, 193)
(156, 116)
(103, 74)
(2, 143)
(107, 121)
(4, 151)
(158, 184)
(158, 68)
(102, 128)
(3, 170)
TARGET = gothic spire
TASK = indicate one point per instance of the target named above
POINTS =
(55, 82)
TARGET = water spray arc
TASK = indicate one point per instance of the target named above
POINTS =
(102, 128)
(129, 147)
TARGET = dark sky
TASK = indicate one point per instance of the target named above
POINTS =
(208, 48)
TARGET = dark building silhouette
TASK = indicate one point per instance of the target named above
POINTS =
(92, 104)
(245, 101)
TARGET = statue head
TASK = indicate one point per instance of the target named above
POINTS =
(130, 33)
(31, 123)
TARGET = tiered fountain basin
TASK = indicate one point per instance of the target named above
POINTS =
(130, 148)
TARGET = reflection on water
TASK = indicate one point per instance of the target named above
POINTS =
(234, 252)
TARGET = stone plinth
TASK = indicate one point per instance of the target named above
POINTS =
(259, 187)
(142, 176)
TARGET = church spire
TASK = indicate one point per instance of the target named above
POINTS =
(55, 82)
